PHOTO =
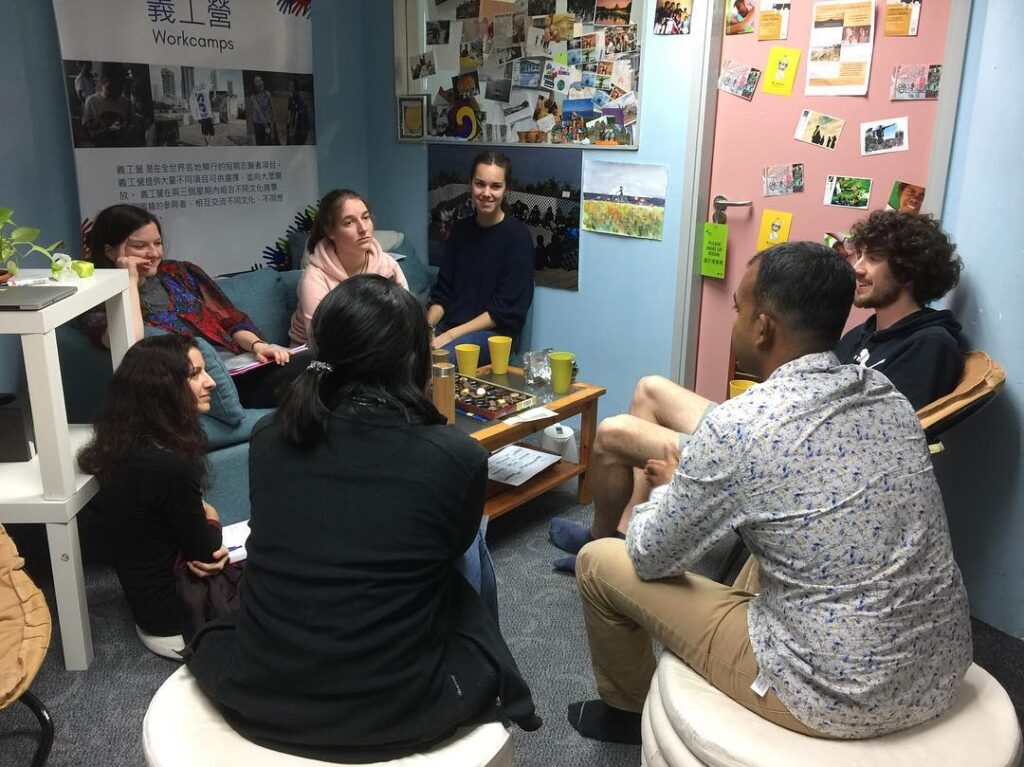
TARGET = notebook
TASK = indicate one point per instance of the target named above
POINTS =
(30, 298)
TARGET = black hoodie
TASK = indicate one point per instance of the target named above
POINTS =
(921, 354)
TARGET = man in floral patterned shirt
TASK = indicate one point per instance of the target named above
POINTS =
(861, 625)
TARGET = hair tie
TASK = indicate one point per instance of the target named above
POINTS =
(320, 367)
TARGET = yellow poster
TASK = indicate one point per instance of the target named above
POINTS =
(780, 74)
(901, 19)
(775, 226)
(769, 26)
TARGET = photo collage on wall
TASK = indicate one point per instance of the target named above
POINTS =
(836, 63)
(529, 71)
(118, 105)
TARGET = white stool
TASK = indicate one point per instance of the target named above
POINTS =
(688, 723)
(182, 728)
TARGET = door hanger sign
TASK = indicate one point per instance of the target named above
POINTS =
(713, 248)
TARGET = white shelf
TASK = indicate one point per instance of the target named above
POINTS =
(92, 291)
(21, 488)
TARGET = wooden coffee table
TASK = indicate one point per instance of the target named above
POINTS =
(581, 400)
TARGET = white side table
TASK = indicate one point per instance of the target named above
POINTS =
(50, 489)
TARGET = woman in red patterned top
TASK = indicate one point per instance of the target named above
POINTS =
(178, 297)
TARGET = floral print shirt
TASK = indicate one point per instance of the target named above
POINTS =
(862, 626)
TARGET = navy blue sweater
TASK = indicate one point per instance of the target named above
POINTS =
(486, 269)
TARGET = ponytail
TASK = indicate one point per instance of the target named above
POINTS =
(302, 413)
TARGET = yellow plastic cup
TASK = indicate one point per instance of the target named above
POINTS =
(501, 348)
(468, 356)
(561, 371)
(738, 386)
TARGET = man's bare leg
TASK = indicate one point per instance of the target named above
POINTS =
(659, 411)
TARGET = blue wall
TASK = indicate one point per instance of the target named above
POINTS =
(37, 176)
(982, 470)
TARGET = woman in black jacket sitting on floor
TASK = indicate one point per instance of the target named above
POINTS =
(149, 454)
(357, 639)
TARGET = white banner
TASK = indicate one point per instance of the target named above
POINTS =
(201, 111)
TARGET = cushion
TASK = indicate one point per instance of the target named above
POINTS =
(221, 434)
(388, 238)
(259, 294)
(182, 728)
(24, 624)
(420, 278)
(225, 406)
(690, 719)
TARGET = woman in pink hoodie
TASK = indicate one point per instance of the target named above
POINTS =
(342, 245)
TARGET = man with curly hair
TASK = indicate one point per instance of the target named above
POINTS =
(903, 262)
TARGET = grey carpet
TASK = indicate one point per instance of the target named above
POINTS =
(98, 714)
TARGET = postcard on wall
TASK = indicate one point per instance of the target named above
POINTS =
(906, 197)
(773, 20)
(583, 10)
(466, 85)
(739, 16)
(621, 40)
(782, 179)
(884, 136)
(438, 32)
(498, 89)
(902, 17)
(839, 55)
(911, 82)
(819, 129)
(556, 78)
(624, 198)
(775, 226)
(422, 65)
(739, 79)
(612, 13)
(672, 17)
(782, 66)
(848, 191)
(526, 72)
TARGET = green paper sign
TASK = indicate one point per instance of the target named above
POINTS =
(712, 256)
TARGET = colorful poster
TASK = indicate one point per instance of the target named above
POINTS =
(839, 55)
(775, 226)
(848, 191)
(884, 136)
(201, 113)
(773, 20)
(906, 197)
(819, 129)
(782, 66)
(739, 79)
(914, 83)
(902, 17)
(739, 17)
(622, 198)
(782, 179)
(672, 17)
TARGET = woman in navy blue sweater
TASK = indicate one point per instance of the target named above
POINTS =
(485, 286)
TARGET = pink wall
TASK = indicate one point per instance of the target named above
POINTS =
(751, 135)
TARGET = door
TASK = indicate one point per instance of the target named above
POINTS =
(750, 135)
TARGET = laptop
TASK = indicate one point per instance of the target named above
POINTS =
(30, 298)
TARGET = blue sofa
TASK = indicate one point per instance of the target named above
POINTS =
(269, 298)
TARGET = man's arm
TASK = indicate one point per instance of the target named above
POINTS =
(684, 519)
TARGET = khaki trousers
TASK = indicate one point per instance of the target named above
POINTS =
(699, 620)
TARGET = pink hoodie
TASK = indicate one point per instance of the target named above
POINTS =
(324, 272)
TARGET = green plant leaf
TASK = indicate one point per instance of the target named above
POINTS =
(12, 267)
(24, 234)
(5, 215)
(57, 244)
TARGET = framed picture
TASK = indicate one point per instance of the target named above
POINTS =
(412, 116)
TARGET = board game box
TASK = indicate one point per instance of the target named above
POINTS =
(489, 400)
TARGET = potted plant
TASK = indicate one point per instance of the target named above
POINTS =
(16, 242)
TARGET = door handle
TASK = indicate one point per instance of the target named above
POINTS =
(721, 202)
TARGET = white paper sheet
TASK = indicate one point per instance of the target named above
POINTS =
(234, 537)
(516, 464)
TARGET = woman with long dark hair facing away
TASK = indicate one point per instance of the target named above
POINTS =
(148, 453)
(357, 639)
(485, 285)
(179, 297)
(341, 245)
